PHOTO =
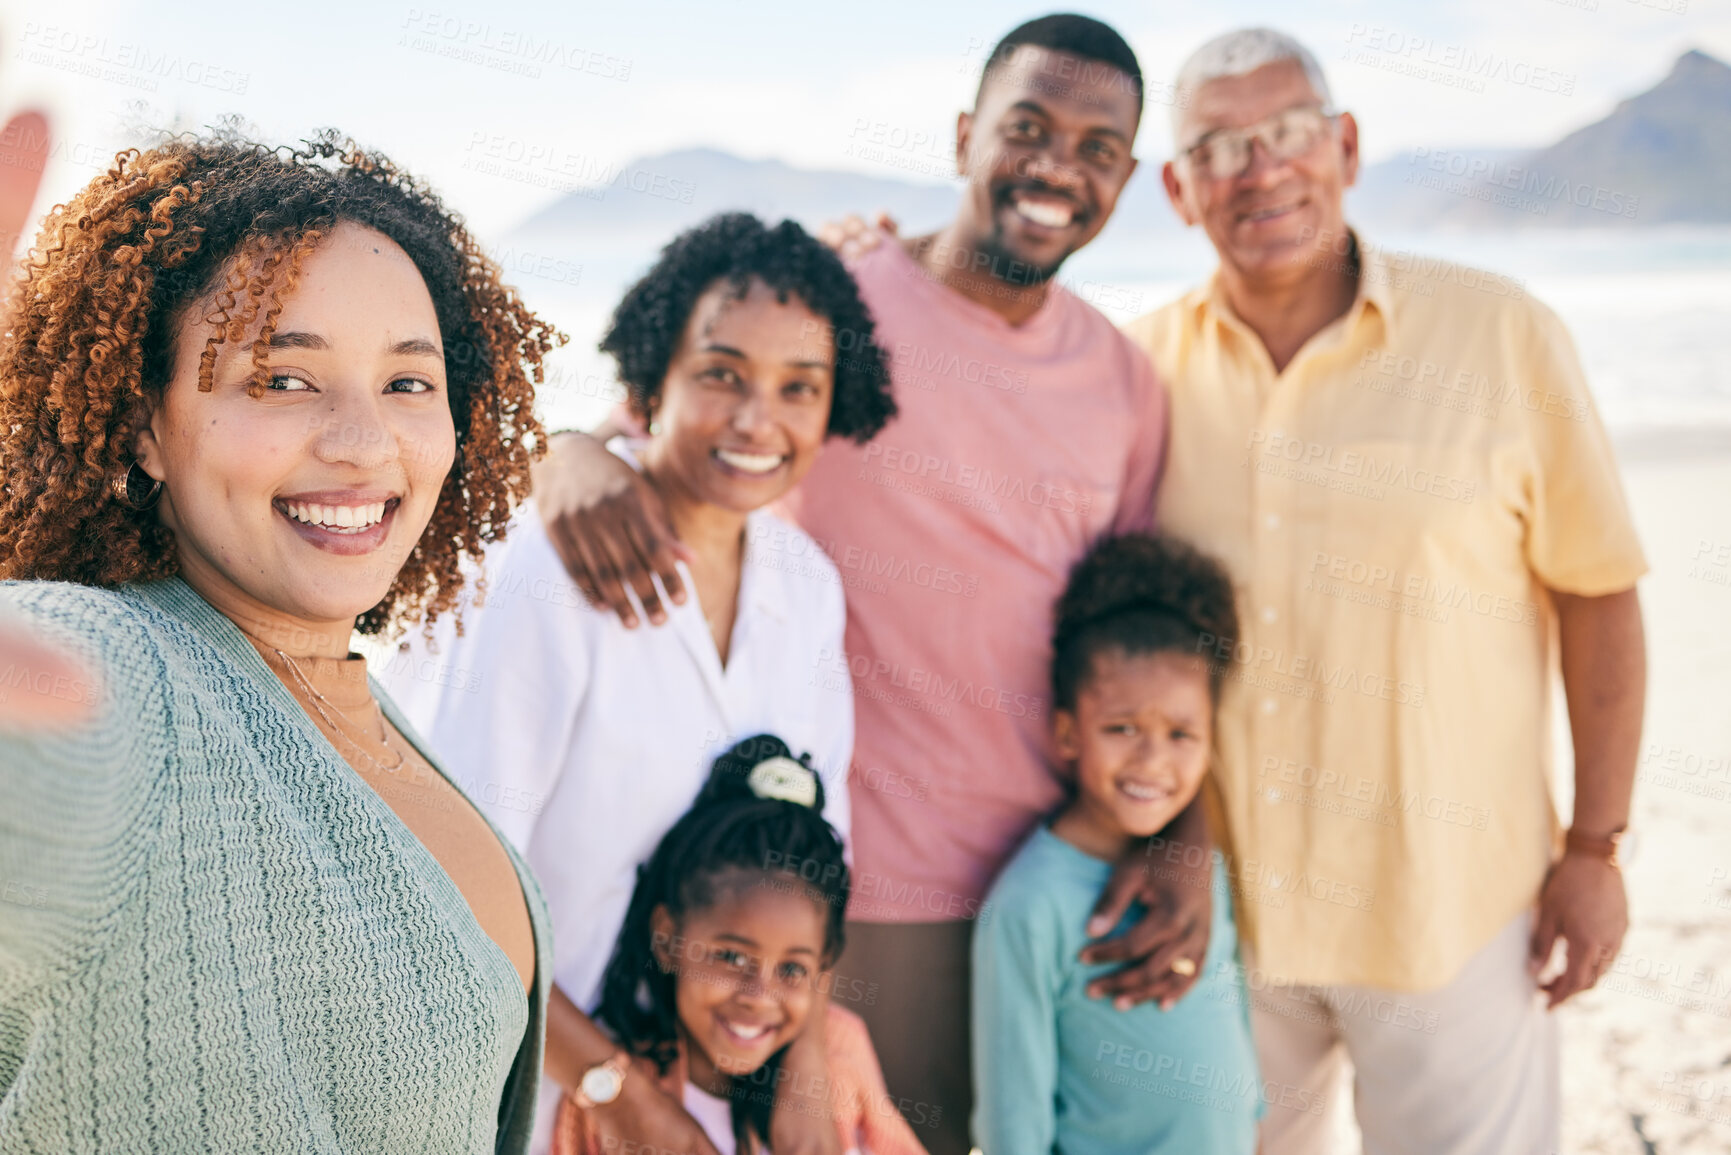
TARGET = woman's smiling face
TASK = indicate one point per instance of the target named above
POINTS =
(744, 407)
(294, 509)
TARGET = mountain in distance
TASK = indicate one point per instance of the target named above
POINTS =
(664, 194)
(1661, 157)
(1671, 146)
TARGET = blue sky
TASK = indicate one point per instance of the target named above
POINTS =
(587, 85)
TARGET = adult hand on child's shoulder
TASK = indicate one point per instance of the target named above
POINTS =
(1164, 951)
(646, 1118)
(853, 236)
(609, 527)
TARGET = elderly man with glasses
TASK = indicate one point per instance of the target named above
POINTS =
(1400, 462)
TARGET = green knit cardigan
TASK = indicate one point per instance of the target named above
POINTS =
(215, 937)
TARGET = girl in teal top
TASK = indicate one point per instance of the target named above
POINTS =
(1133, 711)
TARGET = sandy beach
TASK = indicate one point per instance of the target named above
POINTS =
(1647, 1055)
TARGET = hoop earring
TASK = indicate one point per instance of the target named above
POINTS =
(124, 485)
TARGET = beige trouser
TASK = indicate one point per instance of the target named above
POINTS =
(1470, 1069)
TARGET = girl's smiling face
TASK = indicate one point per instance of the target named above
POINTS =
(1139, 739)
(293, 507)
(745, 970)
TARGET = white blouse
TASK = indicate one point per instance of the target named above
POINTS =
(584, 741)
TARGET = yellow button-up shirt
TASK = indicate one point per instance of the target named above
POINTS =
(1393, 507)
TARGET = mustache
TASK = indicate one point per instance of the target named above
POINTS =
(1257, 200)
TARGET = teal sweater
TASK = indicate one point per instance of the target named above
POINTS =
(215, 937)
(1055, 1070)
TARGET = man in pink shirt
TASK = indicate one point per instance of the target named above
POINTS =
(1029, 426)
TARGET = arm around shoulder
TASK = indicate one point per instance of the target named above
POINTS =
(609, 527)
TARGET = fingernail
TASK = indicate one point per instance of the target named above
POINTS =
(1098, 926)
(1166, 1004)
(1122, 1003)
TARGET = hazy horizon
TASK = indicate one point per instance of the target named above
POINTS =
(443, 88)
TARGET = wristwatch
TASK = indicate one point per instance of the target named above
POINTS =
(1607, 849)
(602, 1083)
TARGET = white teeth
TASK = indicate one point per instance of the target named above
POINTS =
(337, 518)
(749, 1034)
(1052, 216)
(1141, 792)
(750, 462)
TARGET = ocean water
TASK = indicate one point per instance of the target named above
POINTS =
(1650, 312)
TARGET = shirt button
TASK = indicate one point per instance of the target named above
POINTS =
(1272, 521)
(1268, 614)
(1269, 705)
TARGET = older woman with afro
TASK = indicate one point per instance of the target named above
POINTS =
(251, 401)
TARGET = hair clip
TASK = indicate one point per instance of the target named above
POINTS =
(784, 780)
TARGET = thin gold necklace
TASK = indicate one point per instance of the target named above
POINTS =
(318, 702)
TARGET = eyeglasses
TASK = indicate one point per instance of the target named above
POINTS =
(1225, 152)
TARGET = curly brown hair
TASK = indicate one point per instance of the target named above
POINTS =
(225, 223)
(1140, 593)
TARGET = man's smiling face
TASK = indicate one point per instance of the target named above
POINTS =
(1264, 221)
(1045, 152)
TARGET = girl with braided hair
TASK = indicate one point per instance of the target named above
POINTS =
(251, 401)
(725, 954)
(1133, 697)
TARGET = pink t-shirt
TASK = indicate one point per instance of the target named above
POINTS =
(954, 531)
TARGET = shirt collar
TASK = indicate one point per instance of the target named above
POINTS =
(756, 587)
(1375, 291)
(1376, 278)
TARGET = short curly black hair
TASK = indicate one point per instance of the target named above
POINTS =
(1140, 593)
(736, 249)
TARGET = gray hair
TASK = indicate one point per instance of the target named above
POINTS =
(1240, 53)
